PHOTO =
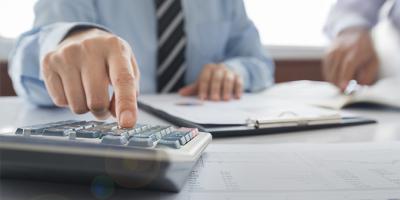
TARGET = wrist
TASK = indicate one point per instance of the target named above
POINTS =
(354, 30)
(82, 33)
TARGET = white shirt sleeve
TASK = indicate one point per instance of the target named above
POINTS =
(352, 13)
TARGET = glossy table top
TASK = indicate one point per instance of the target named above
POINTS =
(16, 113)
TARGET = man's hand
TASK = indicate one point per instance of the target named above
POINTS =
(351, 56)
(78, 74)
(216, 82)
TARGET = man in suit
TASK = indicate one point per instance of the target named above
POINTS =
(77, 49)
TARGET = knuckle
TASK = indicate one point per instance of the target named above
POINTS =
(230, 77)
(116, 42)
(68, 55)
(70, 51)
(89, 43)
(228, 82)
(113, 40)
(216, 78)
(126, 101)
(218, 75)
(239, 80)
(47, 64)
(47, 61)
(53, 61)
(221, 67)
(209, 67)
(125, 79)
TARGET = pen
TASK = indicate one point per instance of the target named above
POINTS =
(352, 88)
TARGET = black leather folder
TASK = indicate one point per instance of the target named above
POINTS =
(246, 130)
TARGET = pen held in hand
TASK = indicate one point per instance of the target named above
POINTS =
(352, 88)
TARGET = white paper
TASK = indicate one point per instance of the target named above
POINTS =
(324, 94)
(295, 171)
(251, 106)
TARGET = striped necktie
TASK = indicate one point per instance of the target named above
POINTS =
(171, 65)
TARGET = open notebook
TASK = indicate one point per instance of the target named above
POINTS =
(385, 92)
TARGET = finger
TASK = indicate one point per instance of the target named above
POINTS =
(56, 91)
(327, 66)
(228, 85)
(216, 84)
(124, 83)
(189, 90)
(331, 62)
(74, 91)
(336, 68)
(348, 70)
(136, 72)
(95, 83)
(204, 82)
(238, 87)
(368, 75)
(112, 106)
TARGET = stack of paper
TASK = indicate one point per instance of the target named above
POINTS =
(251, 108)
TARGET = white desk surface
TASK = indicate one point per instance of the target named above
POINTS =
(15, 113)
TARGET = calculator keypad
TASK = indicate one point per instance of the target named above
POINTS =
(144, 136)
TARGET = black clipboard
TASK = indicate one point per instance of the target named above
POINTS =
(242, 130)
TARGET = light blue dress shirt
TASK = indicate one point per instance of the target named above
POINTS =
(218, 31)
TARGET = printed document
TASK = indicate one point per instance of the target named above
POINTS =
(296, 171)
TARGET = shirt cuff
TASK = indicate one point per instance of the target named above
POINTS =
(236, 66)
(342, 21)
(56, 33)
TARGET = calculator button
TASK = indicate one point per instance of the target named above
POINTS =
(33, 130)
(91, 124)
(148, 134)
(166, 130)
(144, 136)
(97, 131)
(142, 142)
(179, 136)
(19, 131)
(115, 140)
(106, 127)
(38, 129)
(115, 132)
(57, 132)
(72, 136)
(193, 131)
(137, 129)
(156, 131)
(88, 133)
(170, 142)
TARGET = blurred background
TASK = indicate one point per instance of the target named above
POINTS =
(291, 31)
(299, 24)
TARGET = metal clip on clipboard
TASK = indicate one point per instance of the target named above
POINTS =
(291, 119)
